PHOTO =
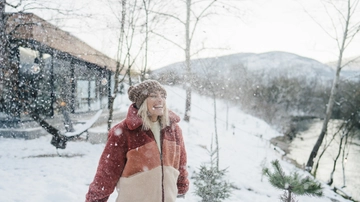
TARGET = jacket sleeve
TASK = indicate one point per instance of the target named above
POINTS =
(110, 167)
(183, 182)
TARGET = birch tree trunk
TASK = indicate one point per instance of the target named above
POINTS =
(188, 63)
(343, 161)
(331, 180)
(329, 108)
(335, 84)
(143, 69)
(118, 65)
(216, 134)
(190, 23)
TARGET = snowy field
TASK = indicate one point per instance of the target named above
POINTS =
(32, 171)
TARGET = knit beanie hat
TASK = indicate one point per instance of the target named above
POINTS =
(138, 93)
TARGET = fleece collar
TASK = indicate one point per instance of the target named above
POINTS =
(133, 121)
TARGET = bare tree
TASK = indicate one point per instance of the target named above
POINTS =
(118, 65)
(344, 159)
(346, 131)
(131, 23)
(349, 30)
(143, 70)
(325, 147)
(195, 12)
(211, 81)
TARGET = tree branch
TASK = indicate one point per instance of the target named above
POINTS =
(319, 24)
(200, 17)
(16, 6)
(168, 15)
(162, 36)
(350, 61)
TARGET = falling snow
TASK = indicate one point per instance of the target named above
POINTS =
(67, 178)
(118, 132)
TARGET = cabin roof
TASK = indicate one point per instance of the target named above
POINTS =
(28, 26)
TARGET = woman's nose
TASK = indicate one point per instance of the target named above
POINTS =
(159, 98)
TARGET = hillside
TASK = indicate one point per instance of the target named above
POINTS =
(269, 65)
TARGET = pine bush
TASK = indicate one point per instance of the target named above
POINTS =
(210, 185)
(292, 184)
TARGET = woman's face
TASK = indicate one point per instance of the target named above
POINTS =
(156, 104)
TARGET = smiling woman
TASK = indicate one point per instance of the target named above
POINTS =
(155, 105)
(145, 157)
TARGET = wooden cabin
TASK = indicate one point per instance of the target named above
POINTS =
(56, 70)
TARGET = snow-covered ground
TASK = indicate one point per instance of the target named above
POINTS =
(31, 170)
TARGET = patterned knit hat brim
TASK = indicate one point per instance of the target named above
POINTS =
(138, 93)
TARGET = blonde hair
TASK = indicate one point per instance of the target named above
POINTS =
(144, 114)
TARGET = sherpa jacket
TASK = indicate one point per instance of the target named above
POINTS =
(132, 162)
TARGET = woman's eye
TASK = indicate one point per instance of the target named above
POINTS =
(157, 96)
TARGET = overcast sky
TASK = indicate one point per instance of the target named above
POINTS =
(285, 25)
(265, 25)
(277, 25)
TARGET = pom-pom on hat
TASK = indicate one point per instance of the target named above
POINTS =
(138, 93)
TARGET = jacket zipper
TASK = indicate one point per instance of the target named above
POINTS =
(162, 165)
(162, 168)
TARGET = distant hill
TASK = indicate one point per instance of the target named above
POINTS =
(269, 65)
(274, 86)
